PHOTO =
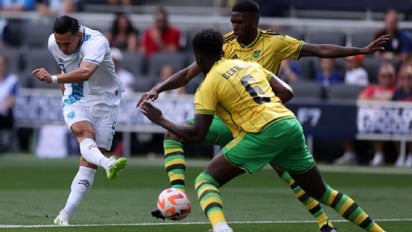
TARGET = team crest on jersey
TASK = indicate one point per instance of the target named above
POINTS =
(70, 114)
(256, 53)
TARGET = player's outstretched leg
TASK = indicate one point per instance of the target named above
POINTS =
(310, 203)
(349, 209)
(175, 166)
(207, 190)
(344, 205)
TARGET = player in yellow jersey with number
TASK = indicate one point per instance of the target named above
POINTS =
(264, 132)
(248, 42)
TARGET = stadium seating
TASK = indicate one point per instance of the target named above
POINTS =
(36, 35)
(157, 60)
(361, 39)
(344, 92)
(328, 37)
(306, 90)
(134, 62)
(38, 58)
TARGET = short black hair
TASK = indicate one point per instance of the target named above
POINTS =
(65, 23)
(208, 42)
(246, 7)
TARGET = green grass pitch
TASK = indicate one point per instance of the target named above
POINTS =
(32, 191)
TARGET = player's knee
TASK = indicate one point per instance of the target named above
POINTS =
(81, 131)
(171, 136)
(83, 162)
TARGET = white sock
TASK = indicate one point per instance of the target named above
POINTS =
(221, 226)
(81, 184)
(92, 154)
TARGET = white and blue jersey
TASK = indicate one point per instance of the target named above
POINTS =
(97, 99)
(103, 86)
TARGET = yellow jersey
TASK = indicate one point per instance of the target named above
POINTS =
(268, 49)
(239, 93)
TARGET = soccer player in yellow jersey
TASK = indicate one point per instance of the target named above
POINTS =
(248, 42)
(264, 132)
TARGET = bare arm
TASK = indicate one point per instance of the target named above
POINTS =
(179, 79)
(334, 51)
(281, 89)
(83, 73)
(189, 132)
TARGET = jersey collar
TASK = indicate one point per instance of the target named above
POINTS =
(83, 31)
(253, 42)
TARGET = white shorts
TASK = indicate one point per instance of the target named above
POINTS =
(103, 118)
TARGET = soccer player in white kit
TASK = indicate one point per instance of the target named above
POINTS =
(92, 93)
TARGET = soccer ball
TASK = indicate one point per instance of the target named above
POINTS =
(174, 204)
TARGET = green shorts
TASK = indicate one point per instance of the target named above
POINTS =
(281, 143)
(218, 134)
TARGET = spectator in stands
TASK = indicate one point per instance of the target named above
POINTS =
(161, 37)
(123, 34)
(124, 75)
(8, 92)
(355, 73)
(404, 93)
(55, 7)
(166, 71)
(328, 74)
(12, 32)
(289, 71)
(400, 44)
(382, 91)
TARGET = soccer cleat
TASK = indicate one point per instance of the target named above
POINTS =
(115, 167)
(328, 228)
(62, 219)
(157, 214)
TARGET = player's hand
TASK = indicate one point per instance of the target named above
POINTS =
(377, 44)
(151, 112)
(149, 95)
(42, 74)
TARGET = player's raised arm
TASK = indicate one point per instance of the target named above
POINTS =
(334, 51)
(179, 79)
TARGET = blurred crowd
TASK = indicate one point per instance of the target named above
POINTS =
(146, 56)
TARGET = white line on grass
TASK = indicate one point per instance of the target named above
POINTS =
(196, 223)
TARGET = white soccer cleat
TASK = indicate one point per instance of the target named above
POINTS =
(62, 219)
